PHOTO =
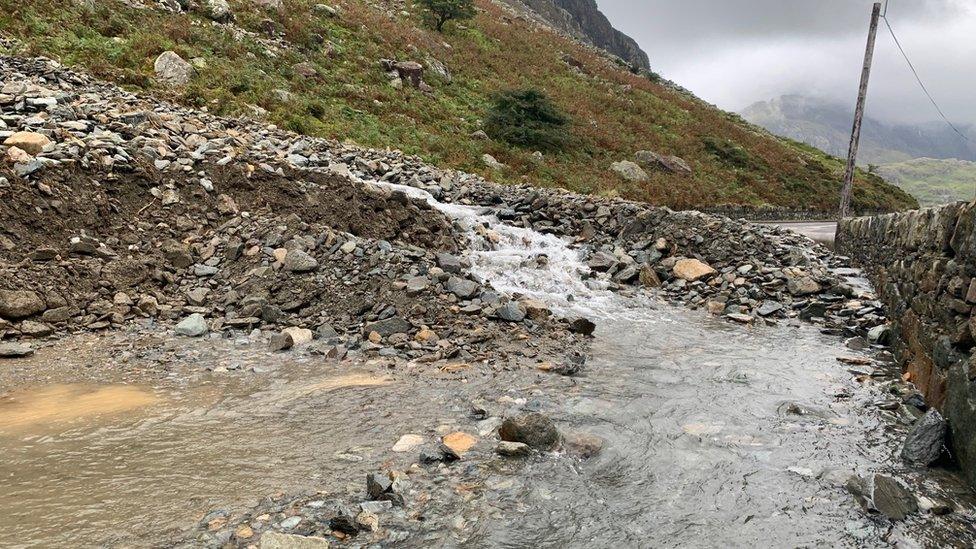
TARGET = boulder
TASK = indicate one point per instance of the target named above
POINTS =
(462, 287)
(17, 304)
(925, 442)
(449, 263)
(194, 325)
(533, 429)
(800, 285)
(218, 10)
(172, 70)
(491, 162)
(410, 72)
(389, 326)
(299, 336)
(692, 270)
(648, 277)
(298, 261)
(15, 350)
(892, 499)
(629, 171)
(670, 164)
(31, 143)
(511, 312)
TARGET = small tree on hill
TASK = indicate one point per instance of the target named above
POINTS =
(527, 118)
(442, 11)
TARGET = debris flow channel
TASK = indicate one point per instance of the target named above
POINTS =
(712, 434)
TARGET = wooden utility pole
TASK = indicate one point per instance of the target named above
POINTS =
(845, 193)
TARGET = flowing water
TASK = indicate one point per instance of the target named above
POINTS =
(715, 434)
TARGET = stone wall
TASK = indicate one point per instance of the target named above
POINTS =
(923, 265)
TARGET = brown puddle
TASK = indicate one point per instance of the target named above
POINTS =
(63, 403)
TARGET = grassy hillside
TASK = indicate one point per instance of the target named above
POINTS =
(614, 113)
(933, 181)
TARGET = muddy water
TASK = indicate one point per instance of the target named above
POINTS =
(703, 443)
(86, 465)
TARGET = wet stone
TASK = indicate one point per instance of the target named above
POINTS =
(892, 499)
(511, 312)
(533, 429)
(925, 442)
(582, 325)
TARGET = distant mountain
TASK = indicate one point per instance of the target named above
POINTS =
(827, 126)
(933, 181)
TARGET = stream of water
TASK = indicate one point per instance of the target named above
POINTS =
(716, 435)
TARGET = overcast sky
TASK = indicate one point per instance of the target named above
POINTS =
(736, 52)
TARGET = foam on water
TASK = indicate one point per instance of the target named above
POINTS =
(516, 260)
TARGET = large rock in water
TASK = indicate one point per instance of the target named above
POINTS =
(924, 443)
(533, 429)
(629, 171)
(16, 304)
(892, 499)
(172, 70)
(692, 270)
(29, 142)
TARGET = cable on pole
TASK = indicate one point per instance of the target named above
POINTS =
(919, 78)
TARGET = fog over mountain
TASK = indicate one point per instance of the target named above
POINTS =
(737, 53)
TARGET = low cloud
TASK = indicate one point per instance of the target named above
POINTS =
(736, 53)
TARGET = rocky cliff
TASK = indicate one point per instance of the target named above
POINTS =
(923, 264)
(584, 20)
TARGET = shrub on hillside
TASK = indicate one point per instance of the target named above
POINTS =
(442, 11)
(527, 118)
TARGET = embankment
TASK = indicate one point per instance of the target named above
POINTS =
(923, 264)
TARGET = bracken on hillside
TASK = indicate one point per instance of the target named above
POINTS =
(317, 69)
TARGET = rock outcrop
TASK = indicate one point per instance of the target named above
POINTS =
(583, 20)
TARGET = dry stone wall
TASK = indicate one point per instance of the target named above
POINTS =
(923, 265)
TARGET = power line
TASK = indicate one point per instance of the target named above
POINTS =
(917, 77)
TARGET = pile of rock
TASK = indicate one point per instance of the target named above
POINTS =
(118, 207)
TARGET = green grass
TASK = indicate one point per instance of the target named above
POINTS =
(613, 113)
(933, 181)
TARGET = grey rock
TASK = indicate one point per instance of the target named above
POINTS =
(925, 442)
(173, 70)
(462, 287)
(892, 499)
(511, 312)
(513, 449)
(769, 307)
(449, 263)
(629, 171)
(390, 326)
(194, 325)
(15, 350)
(298, 261)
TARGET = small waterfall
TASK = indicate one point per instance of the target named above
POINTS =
(521, 261)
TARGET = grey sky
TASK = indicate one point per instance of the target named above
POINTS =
(735, 52)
